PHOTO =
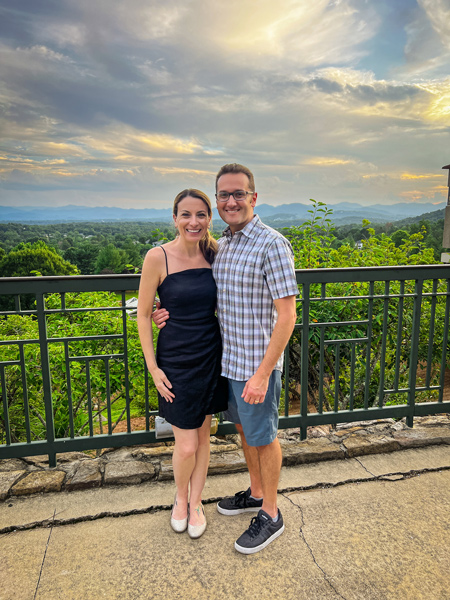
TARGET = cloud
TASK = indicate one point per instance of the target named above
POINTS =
(142, 97)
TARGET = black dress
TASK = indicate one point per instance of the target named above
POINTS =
(189, 348)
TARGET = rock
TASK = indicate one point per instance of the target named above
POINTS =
(368, 423)
(289, 434)
(87, 475)
(12, 464)
(234, 438)
(69, 468)
(416, 437)
(152, 452)
(319, 431)
(224, 448)
(166, 470)
(358, 445)
(219, 440)
(40, 460)
(398, 426)
(119, 454)
(342, 433)
(227, 462)
(67, 457)
(432, 421)
(311, 450)
(7, 480)
(39, 481)
(128, 472)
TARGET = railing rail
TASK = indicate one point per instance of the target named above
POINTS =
(369, 343)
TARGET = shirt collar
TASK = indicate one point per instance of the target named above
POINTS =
(248, 230)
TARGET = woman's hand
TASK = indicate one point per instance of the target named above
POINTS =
(163, 385)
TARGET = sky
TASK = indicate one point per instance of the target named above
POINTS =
(127, 102)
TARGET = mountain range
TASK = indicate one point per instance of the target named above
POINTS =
(276, 216)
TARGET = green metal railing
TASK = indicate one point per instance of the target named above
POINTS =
(370, 343)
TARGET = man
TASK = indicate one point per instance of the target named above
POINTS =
(256, 290)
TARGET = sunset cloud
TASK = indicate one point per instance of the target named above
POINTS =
(134, 100)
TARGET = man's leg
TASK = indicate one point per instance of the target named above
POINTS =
(246, 501)
(252, 459)
(270, 467)
(260, 424)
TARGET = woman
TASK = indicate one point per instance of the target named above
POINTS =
(186, 369)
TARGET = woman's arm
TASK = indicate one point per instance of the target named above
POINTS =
(152, 270)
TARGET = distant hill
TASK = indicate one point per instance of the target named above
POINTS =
(62, 214)
(275, 216)
(436, 215)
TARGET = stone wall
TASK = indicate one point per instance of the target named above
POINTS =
(127, 466)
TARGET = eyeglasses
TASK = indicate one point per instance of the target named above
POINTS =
(238, 195)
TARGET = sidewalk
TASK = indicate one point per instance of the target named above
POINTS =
(368, 528)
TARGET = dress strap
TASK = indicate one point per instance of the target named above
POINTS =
(165, 255)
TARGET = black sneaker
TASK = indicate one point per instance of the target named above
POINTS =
(261, 532)
(239, 503)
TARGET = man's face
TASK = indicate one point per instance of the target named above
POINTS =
(236, 214)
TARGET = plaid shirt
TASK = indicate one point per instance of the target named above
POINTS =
(252, 268)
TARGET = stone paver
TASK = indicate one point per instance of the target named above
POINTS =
(39, 481)
(7, 480)
(87, 475)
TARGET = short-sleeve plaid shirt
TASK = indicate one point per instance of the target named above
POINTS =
(252, 268)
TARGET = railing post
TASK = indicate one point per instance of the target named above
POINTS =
(304, 361)
(46, 377)
(414, 351)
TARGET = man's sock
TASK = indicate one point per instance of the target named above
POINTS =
(253, 498)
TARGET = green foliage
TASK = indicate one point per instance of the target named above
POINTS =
(25, 258)
(312, 240)
(110, 260)
(84, 256)
(315, 246)
(89, 403)
(81, 243)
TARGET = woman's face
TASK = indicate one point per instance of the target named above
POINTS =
(192, 219)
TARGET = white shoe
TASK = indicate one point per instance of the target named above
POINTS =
(195, 531)
(178, 525)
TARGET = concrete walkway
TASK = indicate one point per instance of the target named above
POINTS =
(368, 528)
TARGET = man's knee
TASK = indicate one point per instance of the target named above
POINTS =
(274, 445)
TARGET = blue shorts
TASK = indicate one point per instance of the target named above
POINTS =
(259, 421)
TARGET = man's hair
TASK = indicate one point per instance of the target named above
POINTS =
(237, 168)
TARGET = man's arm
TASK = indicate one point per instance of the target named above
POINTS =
(256, 387)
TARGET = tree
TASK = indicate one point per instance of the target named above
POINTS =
(84, 256)
(110, 260)
(399, 236)
(26, 258)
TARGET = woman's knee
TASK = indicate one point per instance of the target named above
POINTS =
(186, 448)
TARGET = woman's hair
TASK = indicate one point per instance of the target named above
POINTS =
(208, 244)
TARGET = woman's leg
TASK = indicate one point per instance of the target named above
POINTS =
(184, 462)
(199, 473)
